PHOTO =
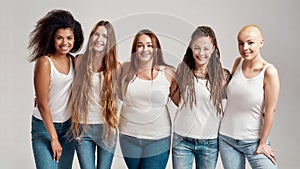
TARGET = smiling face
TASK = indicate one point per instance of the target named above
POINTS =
(99, 39)
(202, 48)
(64, 40)
(144, 49)
(249, 42)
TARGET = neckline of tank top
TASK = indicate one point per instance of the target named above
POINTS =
(70, 68)
(254, 77)
(146, 80)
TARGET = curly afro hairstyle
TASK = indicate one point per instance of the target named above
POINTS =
(41, 38)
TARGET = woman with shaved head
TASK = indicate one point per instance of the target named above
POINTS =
(252, 99)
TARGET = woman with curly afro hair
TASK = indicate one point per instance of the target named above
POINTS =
(54, 37)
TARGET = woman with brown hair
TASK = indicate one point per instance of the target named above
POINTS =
(201, 82)
(145, 124)
(94, 99)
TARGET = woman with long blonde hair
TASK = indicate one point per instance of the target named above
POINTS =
(94, 99)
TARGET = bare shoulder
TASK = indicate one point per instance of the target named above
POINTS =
(227, 75)
(235, 64)
(78, 58)
(42, 62)
(169, 69)
(271, 71)
(42, 66)
(119, 65)
(170, 73)
(126, 66)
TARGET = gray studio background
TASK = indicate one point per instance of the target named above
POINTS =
(173, 22)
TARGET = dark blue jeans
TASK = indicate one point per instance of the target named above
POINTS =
(145, 153)
(41, 145)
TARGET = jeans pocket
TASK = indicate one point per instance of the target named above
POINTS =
(212, 142)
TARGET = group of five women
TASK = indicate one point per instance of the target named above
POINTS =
(85, 103)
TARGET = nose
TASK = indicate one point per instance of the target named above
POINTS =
(98, 39)
(246, 46)
(64, 41)
(201, 52)
(145, 48)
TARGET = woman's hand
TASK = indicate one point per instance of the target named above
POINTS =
(56, 149)
(267, 151)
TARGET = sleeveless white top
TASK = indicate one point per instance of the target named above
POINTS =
(95, 108)
(201, 121)
(59, 94)
(243, 116)
(144, 113)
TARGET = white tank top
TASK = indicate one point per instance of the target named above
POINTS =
(95, 108)
(59, 93)
(243, 116)
(144, 113)
(200, 121)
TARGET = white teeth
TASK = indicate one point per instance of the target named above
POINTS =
(99, 44)
(64, 48)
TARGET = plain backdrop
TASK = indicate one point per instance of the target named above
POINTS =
(173, 22)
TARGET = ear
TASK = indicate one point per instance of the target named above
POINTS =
(262, 42)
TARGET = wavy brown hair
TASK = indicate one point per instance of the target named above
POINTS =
(157, 58)
(214, 68)
(81, 89)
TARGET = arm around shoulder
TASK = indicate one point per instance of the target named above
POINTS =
(174, 89)
(125, 67)
(235, 64)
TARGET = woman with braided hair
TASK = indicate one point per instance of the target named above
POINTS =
(201, 84)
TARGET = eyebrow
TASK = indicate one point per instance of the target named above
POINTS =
(199, 46)
(147, 42)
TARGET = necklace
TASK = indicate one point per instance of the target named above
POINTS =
(200, 73)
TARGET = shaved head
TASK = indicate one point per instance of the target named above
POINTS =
(251, 29)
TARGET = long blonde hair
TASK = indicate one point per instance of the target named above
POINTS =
(81, 89)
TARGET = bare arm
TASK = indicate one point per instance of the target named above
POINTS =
(41, 85)
(174, 89)
(271, 89)
(125, 67)
(119, 73)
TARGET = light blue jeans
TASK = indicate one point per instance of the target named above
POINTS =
(145, 153)
(41, 145)
(233, 153)
(185, 150)
(91, 140)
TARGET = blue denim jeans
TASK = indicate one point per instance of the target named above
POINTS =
(233, 153)
(185, 150)
(41, 145)
(145, 153)
(89, 142)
